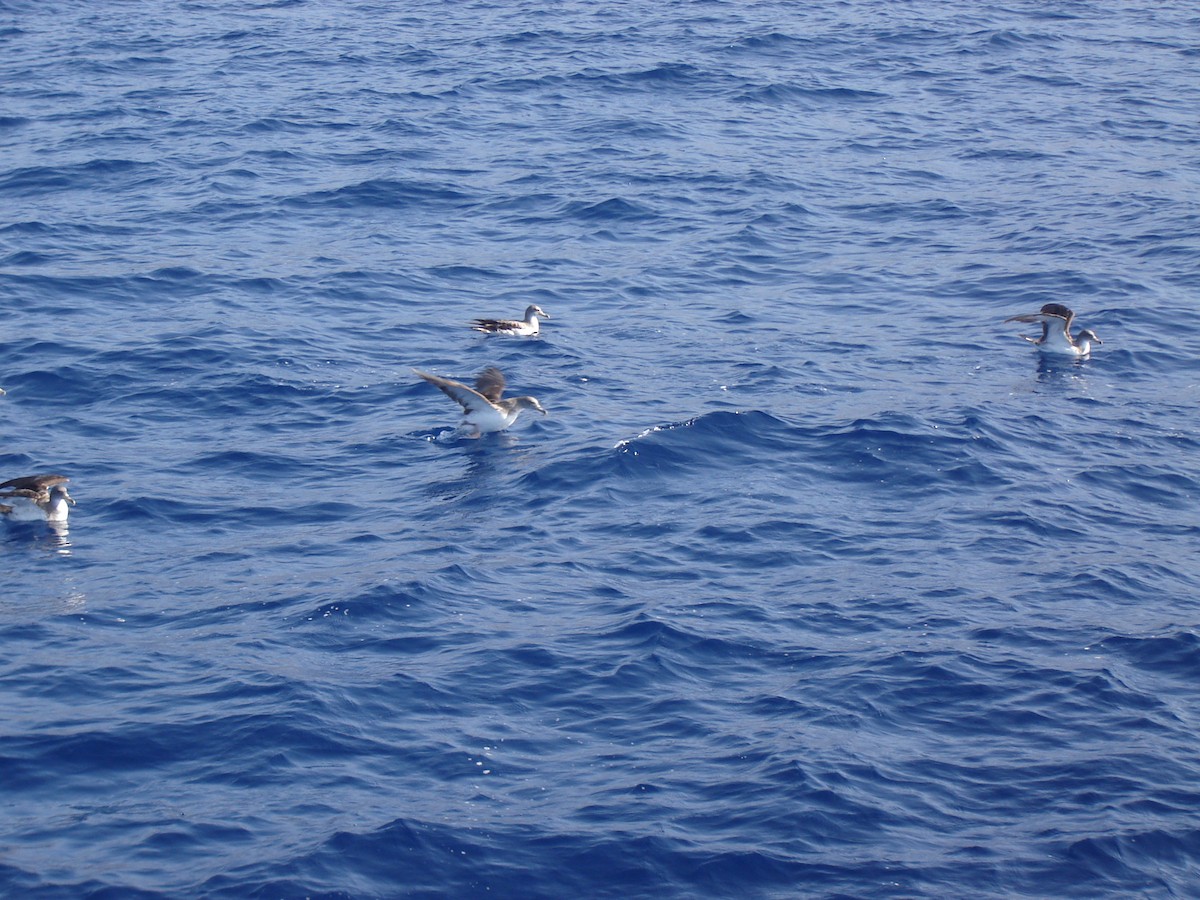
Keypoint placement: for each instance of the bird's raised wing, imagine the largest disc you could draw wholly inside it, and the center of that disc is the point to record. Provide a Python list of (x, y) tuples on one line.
[(1053, 316), (1048, 313), (490, 383), (35, 483), (1059, 311)]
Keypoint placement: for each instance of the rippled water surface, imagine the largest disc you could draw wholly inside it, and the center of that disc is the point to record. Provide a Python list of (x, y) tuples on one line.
[(815, 580)]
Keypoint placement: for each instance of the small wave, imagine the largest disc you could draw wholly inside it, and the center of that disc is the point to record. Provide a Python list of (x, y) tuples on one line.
[(771, 41), (907, 453), (382, 192), (94, 174), (1176, 655), (712, 441), (615, 209), (811, 96)]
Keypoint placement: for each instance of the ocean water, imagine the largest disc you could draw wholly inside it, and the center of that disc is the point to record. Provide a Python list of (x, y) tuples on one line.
[(815, 581)]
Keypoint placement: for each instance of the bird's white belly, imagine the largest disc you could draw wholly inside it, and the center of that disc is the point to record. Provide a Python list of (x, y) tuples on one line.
[(1058, 343), (490, 419), (521, 328)]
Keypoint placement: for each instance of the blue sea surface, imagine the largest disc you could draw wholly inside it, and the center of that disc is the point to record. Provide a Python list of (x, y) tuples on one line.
[(815, 581)]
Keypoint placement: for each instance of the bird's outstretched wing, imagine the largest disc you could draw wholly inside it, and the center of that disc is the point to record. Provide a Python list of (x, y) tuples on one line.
[(26, 494), (469, 399)]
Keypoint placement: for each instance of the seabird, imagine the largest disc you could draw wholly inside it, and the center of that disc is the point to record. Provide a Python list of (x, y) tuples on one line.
[(512, 326), (1056, 337), (483, 410), (37, 494)]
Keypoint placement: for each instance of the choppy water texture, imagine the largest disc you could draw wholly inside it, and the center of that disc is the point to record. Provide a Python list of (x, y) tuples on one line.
[(815, 581)]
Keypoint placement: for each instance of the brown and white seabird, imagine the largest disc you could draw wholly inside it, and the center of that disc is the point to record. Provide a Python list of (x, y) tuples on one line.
[(36, 495), (1056, 336), (483, 410), (511, 326)]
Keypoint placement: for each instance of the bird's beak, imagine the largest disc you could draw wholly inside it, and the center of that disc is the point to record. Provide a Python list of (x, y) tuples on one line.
[(69, 499)]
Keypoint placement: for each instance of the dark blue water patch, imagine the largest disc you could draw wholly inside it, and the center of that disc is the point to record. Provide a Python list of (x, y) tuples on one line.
[(115, 174), (62, 296), (26, 258), (33, 228), (714, 441), (615, 209), (385, 193), (898, 450), (1014, 39), (931, 210), (20, 882), (619, 131), (810, 97), (774, 543), (772, 42), (1106, 583), (1007, 154), (145, 508), (278, 125), (60, 388), (1146, 484), (1131, 862), (401, 852), (1176, 655), (433, 860), (904, 451)]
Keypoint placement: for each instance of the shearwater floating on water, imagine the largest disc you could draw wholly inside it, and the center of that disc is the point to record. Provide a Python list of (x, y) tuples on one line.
[(1056, 336), (483, 410), (36, 496), (511, 326)]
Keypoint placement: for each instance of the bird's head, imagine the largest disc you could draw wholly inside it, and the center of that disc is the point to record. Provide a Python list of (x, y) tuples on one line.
[(529, 403)]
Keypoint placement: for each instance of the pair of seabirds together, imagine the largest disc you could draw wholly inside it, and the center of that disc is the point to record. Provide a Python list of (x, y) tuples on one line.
[(486, 410), (484, 407)]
